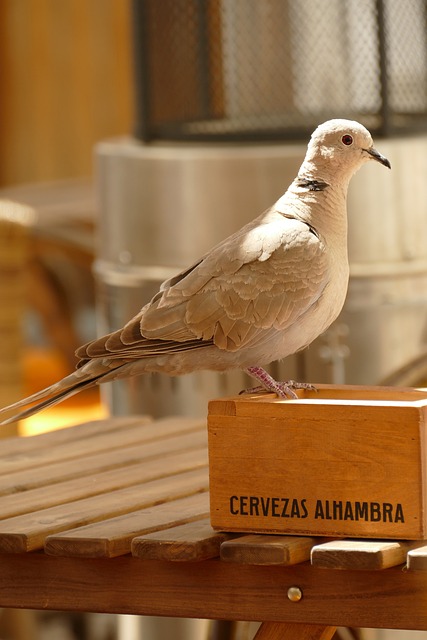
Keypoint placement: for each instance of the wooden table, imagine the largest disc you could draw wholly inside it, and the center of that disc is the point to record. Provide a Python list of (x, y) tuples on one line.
[(113, 516)]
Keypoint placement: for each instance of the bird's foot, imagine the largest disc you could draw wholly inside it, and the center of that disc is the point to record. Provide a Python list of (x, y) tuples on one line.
[(268, 383)]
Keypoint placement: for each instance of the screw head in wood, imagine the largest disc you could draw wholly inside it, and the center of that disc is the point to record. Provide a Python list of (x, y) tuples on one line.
[(294, 594)]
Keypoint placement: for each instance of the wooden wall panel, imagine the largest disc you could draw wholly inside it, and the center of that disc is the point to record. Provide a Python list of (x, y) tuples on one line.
[(65, 83)]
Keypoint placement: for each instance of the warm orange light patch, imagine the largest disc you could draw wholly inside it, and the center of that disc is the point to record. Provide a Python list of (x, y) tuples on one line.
[(43, 367)]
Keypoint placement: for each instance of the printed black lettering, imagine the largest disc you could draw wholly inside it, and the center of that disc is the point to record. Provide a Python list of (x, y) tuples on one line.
[(265, 506), (295, 509), (361, 511), (399, 513), (337, 509), (304, 508), (318, 512), (387, 512), (254, 506), (285, 513), (233, 510), (257, 506), (375, 512), (244, 505), (348, 512)]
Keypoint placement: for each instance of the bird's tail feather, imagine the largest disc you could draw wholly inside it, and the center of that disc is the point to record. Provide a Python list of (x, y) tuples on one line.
[(47, 397), (42, 404)]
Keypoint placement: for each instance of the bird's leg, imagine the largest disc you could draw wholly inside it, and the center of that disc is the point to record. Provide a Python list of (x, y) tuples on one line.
[(268, 383)]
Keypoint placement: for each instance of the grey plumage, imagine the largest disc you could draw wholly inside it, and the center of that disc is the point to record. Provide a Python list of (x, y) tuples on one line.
[(262, 294)]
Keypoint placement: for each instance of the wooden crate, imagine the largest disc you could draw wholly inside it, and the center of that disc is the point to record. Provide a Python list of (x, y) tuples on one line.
[(342, 461)]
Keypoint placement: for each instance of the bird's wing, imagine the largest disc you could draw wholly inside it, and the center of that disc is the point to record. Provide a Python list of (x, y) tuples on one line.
[(262, 278)]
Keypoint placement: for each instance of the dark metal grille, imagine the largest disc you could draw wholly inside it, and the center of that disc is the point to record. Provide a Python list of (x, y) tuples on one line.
[(274, 69)]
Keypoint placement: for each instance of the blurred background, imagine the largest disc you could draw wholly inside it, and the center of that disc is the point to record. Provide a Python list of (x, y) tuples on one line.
[(66, 83), (136, 135)]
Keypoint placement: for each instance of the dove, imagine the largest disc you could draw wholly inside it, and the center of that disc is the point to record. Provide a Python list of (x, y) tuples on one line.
[(264, 293)]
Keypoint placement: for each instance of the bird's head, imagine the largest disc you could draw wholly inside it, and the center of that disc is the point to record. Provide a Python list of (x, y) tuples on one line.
[(341, 146)]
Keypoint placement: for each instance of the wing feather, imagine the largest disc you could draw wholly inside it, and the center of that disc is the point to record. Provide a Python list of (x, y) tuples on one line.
[(261, 279)]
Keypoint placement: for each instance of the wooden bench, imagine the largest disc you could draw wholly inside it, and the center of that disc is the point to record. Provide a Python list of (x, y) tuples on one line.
[(113, 516)]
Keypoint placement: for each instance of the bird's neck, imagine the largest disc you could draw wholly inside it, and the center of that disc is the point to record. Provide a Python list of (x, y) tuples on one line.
[(318, 200)]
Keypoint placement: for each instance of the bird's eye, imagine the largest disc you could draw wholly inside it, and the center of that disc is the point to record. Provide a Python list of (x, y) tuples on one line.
[(347, 139)]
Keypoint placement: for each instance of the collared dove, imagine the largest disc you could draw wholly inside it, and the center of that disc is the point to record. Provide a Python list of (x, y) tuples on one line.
[(260, 295)]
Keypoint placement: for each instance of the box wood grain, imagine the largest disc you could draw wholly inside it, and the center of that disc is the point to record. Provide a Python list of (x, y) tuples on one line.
[(342, 461)]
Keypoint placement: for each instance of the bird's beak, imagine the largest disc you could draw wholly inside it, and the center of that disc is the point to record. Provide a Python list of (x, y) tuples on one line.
[(376, 155)]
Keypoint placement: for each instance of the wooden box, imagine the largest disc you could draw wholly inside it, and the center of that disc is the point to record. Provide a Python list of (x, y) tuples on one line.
[(342, 461)]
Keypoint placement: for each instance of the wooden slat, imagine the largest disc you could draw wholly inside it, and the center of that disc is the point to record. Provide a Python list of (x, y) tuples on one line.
[(112, 538), (360, 554), (132, 434), (20, 445), (87, 465), (28, 532), (70, 450), (289, 631), (98, 483), (188, 542), (417, 559), (267, 550)]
